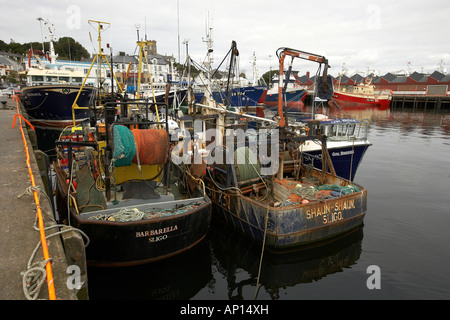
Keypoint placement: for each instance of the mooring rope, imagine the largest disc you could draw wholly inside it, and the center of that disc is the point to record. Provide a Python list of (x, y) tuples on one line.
[(35, 275), (262, 250), (351, 161)]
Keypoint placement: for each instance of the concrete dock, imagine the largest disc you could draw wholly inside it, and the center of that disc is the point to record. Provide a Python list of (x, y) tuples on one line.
[(18, 238)]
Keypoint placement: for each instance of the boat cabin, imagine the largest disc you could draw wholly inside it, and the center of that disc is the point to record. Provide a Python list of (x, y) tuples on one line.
[(50, 77), (337, 129)]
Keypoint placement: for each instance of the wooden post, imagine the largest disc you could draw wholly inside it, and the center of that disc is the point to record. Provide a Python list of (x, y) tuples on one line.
[(76, 256)]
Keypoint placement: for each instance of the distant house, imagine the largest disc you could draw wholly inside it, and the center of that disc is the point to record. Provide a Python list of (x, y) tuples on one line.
[(416, 76), (357, 78), (126, 68), (5, 66), (418, 82), (8, 63), (343, 81)]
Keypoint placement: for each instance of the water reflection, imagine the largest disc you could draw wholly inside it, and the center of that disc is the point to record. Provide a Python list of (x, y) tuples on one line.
[(228, 253), (176, 278), (233, 252), (226, 264), (425, 124)]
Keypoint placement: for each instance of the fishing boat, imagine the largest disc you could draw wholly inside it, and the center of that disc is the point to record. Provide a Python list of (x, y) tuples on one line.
[(274, 197), (49, 95), (168, 93), (116, 184), (362, 95), (240, 96), (296, 208), (50, 92), (293, 94), (347, 142)]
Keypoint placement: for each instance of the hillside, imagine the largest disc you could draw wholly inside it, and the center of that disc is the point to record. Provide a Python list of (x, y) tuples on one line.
[(66, 48)]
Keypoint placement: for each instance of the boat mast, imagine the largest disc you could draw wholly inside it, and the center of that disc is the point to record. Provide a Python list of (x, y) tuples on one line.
[(255, 70), (234, 54), (52, 54), (143, 54), (209, 59), (100, 55)]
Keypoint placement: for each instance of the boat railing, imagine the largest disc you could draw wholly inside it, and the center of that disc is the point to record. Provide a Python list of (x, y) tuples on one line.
[(136, 109), (340, 129)]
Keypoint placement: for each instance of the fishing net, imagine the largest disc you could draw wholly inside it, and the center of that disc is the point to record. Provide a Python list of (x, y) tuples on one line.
[(124, 146)]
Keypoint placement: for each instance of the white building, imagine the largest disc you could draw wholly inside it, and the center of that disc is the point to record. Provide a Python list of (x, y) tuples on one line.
[(125, 68)]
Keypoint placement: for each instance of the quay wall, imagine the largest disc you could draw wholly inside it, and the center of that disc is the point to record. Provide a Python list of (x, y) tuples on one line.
[(18, 238), (435, 103)]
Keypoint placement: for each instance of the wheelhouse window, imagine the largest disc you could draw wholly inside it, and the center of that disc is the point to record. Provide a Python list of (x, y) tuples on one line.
[(339, 130), (351, 129), (37, 78), (51, 78)]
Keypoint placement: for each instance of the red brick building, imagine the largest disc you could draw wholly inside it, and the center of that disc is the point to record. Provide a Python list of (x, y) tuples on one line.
[(433, 84)]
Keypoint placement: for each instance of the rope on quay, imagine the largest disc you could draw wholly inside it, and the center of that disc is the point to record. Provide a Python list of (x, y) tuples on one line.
[(34, 277), (47, 260)]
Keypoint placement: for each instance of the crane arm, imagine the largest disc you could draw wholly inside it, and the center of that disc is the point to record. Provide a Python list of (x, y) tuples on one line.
[(36, 53), (282, 53)]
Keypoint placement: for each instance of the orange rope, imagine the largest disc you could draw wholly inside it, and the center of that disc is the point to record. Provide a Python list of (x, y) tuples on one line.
[(48, 267)]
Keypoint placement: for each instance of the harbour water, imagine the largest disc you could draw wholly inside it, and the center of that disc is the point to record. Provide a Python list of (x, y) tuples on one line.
[(401, 252)]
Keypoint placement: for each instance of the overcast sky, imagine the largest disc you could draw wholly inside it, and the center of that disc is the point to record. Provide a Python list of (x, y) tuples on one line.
[(383, 36)]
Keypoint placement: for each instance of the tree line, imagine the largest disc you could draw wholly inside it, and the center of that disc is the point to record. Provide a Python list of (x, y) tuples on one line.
[(66, 48)]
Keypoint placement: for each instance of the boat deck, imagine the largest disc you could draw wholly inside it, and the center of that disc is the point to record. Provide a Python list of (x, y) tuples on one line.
[(289, 192)]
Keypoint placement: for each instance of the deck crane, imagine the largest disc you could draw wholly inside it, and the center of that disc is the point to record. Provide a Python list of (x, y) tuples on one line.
[(36, 54), (282, 53)]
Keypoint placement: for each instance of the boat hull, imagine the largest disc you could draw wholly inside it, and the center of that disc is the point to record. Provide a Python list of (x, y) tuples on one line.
[(160, 97), (353, 100), (50, 106), (293, 226), (144, 241), (293, 100), (345, 158), (240, 97)]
